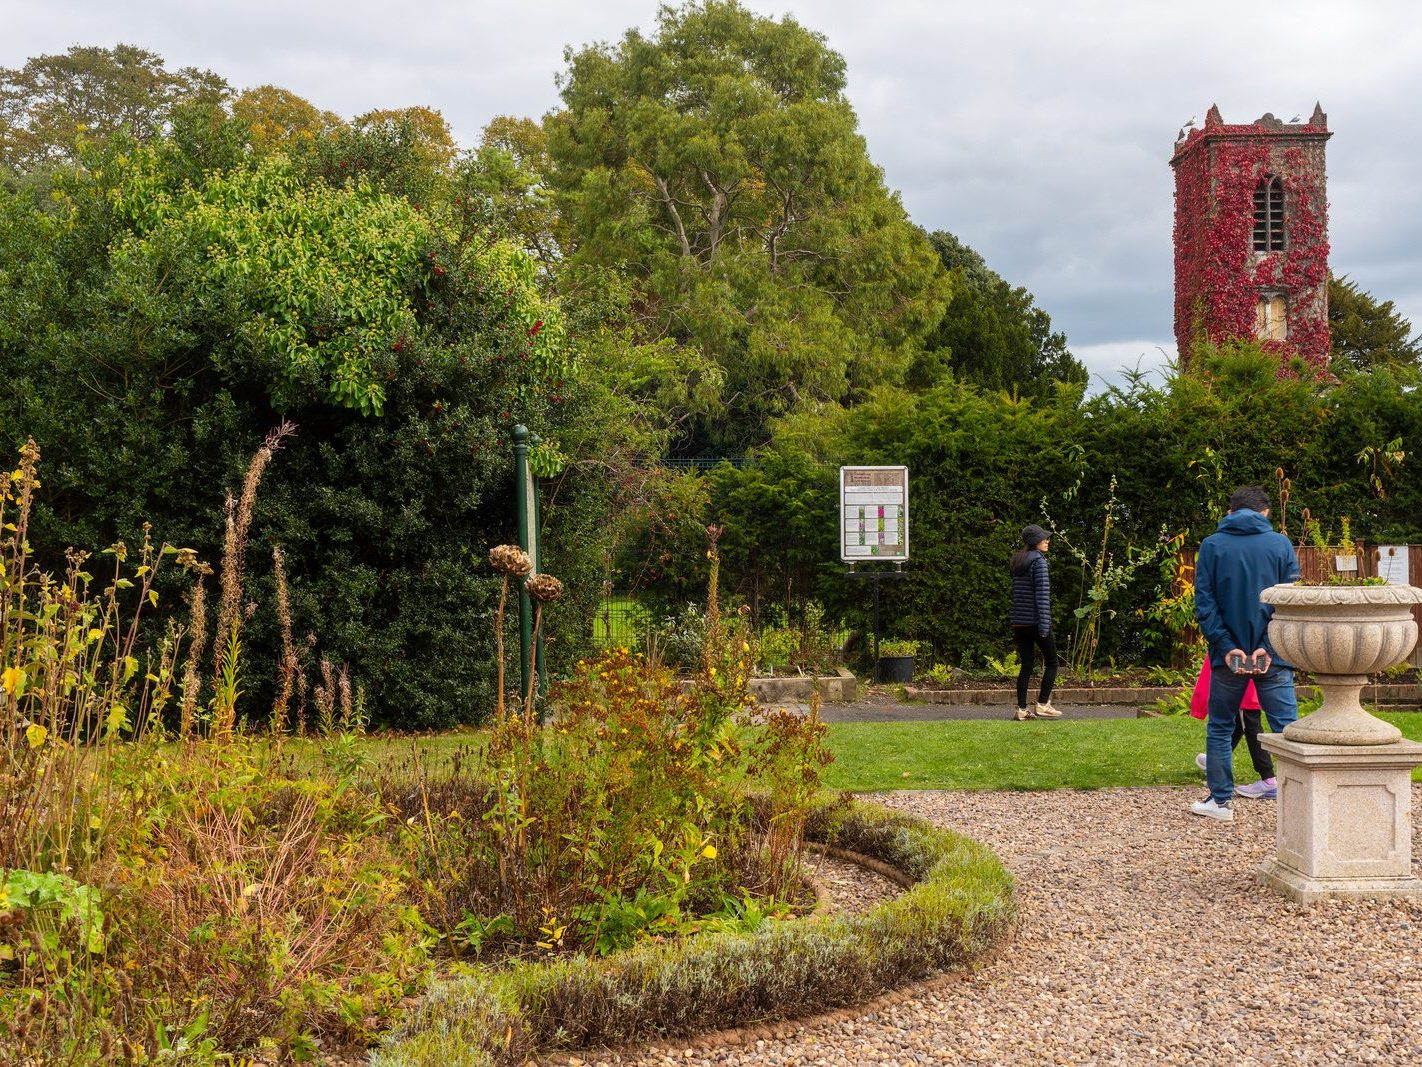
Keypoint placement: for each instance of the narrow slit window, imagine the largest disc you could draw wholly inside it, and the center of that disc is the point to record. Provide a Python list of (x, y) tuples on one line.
[(1269, 215)]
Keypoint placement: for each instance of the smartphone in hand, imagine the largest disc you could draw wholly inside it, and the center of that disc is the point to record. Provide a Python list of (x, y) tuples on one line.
[(1258, 662)]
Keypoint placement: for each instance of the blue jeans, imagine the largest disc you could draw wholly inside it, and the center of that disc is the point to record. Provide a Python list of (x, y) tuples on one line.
[(1276, 698)]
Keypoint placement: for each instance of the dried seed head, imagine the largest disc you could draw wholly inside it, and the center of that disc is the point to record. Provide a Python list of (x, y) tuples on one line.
[(544, 588), (510, 560)]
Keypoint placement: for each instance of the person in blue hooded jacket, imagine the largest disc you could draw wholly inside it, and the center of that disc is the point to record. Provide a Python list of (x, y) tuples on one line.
[(1242, 558)]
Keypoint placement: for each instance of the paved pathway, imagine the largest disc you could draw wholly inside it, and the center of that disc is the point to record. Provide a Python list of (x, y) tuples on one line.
[(886, 710), (1144, 940)]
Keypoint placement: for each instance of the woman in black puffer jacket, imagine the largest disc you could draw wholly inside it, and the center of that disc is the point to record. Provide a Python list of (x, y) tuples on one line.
[(1032, 622)]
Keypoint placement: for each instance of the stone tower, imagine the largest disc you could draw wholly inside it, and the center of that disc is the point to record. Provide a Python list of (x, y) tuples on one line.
[(1251, 236)]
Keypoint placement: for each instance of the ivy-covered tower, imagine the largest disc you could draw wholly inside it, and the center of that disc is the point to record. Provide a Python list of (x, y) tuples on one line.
[(1251, 236)]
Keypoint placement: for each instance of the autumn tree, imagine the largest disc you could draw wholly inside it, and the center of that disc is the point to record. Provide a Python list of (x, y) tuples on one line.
[(53, 102), (278, 120), (718, 164)]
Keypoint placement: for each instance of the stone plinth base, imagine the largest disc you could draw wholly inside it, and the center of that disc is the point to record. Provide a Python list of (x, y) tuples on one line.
[(1345, 820)]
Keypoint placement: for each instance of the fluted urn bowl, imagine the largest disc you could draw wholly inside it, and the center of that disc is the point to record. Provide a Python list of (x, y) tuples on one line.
[(1341, 634)]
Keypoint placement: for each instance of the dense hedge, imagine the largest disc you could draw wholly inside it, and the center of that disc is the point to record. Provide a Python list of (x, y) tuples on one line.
[(160, 318), (981, 466)]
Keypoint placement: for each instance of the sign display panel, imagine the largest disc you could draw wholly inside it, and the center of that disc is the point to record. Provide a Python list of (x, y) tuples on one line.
[(873, 514)]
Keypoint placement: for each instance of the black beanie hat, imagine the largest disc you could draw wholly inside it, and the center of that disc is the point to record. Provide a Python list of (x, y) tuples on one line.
[(1034, 535)]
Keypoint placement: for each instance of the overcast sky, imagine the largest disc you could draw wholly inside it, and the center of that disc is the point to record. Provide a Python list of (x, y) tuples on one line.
[(1038, 131)]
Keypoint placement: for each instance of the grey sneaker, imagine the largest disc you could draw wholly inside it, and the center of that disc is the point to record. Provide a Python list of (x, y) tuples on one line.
[(1201, 762), (1210, 810), (1266, 789)]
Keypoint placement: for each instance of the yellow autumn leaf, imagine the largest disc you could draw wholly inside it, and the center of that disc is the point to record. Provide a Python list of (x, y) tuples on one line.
[(13, 680), (709, 852), (35, 734)]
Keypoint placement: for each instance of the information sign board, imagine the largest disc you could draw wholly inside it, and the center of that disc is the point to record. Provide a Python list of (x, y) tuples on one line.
[(873, 514), (1392, 564)]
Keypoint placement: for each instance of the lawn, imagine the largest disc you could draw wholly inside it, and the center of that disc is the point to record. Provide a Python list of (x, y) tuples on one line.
[(869, 757), (1081, 754)]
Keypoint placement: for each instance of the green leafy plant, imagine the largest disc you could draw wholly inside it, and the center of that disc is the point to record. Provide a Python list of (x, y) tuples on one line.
[(1105, 577), (941, 673), (1006, 667), (899, 647)]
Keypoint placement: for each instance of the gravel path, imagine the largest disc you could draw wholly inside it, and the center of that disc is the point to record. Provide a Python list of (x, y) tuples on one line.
[(1144, 940), (851, 888)]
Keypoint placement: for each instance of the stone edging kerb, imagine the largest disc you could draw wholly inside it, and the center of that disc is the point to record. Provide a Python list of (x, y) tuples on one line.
[(1140, 696)]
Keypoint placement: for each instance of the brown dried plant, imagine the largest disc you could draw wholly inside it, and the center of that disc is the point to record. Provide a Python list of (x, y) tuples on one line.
[(290, 663), (512, 562), (227, 636)]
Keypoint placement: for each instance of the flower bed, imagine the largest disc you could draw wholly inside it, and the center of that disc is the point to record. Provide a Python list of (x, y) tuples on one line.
[(962, 903)]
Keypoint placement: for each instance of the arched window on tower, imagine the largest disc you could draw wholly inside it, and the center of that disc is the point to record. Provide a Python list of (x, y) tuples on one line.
[(1269, 215)]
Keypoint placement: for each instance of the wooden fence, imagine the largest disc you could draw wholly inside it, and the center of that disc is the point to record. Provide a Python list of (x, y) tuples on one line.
[(1319, 564)]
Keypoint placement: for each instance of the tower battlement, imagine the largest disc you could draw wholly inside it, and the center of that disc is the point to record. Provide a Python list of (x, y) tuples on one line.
[(1251, 235)]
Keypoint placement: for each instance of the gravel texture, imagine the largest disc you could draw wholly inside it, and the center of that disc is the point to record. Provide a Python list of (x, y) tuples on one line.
[(1144, 939), (850, 887)]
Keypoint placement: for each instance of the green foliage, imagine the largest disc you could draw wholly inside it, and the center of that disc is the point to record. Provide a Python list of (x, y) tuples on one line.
[(1006, 667), (718, 163), (1368, 334), (159, 318), (991, 333), (55, 103), (805, 645), (898, 647)]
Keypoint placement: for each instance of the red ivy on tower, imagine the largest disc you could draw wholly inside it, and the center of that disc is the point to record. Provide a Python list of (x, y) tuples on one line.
[(1226, 288)]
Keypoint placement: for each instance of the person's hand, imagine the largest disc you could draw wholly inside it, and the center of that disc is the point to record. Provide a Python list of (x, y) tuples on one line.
[(1236, 660), (1260, 656)]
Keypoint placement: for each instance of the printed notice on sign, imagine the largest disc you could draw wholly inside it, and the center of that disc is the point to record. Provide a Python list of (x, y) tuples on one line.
[(873, 514), (1392, 564)]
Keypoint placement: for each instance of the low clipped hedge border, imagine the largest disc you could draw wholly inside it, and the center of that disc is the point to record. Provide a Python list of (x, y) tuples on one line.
[(962, 903)]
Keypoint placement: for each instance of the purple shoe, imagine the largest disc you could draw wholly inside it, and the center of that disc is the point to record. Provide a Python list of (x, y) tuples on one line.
[(1267, 789)]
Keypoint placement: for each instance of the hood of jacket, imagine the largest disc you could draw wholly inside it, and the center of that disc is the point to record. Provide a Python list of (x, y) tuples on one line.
[(1244, 523)]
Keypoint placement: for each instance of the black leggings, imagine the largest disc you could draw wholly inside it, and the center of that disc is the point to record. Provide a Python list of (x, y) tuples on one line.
[(1026, 637), (1247, 725)]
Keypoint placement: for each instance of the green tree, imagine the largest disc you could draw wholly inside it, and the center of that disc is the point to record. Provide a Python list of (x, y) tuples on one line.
[(53, 102), (992, 333), (157, 318), (1367, 333), (719, 164)]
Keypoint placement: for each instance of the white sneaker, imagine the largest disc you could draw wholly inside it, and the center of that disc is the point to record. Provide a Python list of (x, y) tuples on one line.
[(1210, 810), (1200, 762), (1045, 711), (1021, 715)]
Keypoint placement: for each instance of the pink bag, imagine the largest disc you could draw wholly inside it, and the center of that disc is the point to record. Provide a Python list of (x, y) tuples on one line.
[(1200, 698)]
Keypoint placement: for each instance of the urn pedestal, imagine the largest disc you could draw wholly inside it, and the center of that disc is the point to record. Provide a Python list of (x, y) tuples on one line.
[(1345, 776), (1344, 820)]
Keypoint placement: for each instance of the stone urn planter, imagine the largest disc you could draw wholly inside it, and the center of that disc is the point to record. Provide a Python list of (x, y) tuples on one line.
[(1345, 777), (1341, 634)]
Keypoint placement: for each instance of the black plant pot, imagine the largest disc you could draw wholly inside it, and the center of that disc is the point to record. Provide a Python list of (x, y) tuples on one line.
[(895, 668)]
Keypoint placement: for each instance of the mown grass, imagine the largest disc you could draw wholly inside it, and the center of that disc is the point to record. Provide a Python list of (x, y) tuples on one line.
[(871, 757), (1066, 754)]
